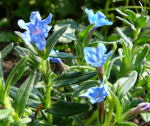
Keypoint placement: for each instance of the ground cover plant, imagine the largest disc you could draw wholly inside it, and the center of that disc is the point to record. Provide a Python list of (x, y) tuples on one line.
[(95, 83)]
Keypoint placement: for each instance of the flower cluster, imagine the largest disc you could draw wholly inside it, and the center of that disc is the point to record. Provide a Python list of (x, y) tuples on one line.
[(36, 30), (99, 19)]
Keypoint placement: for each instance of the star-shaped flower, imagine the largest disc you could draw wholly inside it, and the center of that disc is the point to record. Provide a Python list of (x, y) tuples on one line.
[(99, 19), (96, 94), (36, 30), (96, 56)]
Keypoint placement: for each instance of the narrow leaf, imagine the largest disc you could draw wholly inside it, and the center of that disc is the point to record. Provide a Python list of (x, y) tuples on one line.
[(23, 93), (63, 108), (73, 80), (7, 49), (52, 40), (126, 83), (141, 55), (1, 76), (124, 37), (11, 76)]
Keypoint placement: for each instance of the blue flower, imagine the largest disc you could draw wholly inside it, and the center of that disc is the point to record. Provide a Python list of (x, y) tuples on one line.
[(96, 56), (99, 19), (96, 94), (54, 60), (36, 30)]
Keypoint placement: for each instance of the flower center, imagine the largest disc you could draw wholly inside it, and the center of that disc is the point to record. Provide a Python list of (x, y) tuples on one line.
[(37, 31)]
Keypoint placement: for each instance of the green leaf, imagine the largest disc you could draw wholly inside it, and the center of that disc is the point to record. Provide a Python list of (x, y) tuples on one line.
[(142, 40), (75, 78), (109, 67), (117, 106), (141, 55), (125, 124), (63, 108), (146, 116), (32, 96), (22, 52), (19, 66), (127, 22), (7, 37), (52, 40), (63, 55), (126, 83), (124, 37), (85, 33), (69, 34), (7, 49), (131, 15), (141, 22), (122, 13), (1, 77), (23, 93), (4, 113)]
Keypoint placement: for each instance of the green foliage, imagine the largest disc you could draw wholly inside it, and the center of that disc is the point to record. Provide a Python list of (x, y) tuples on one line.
[(52, 40), (50, 96), (74, 78), (23, 93), (4, 113), (63, 108)]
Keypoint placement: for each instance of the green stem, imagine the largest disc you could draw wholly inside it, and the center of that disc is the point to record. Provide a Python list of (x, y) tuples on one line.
[(45, 69), (92, 118), (127, 2), (48, 100), (107, 6), (136, 34), (109, 115)]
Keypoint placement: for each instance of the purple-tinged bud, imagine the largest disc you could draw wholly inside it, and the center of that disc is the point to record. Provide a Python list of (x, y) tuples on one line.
[(142, 107)]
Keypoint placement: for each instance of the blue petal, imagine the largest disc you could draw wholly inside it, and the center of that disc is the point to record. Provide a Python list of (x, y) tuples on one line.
[(31, 27), (101, 22), (101, 50), (47, 20), (39, 41), (91, 16), (22, 24), (107, 56), (55, 60), (35, 16), (52, 59), (90, 55), (100, 15), (26, 37), (96, 94)]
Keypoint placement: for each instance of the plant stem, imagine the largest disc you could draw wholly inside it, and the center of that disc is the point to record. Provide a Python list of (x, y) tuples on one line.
[(109, 115), (101, 112), (107, 6), (127, 2), (45, 69), (48, 100), (136, 34), (92, 118)]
